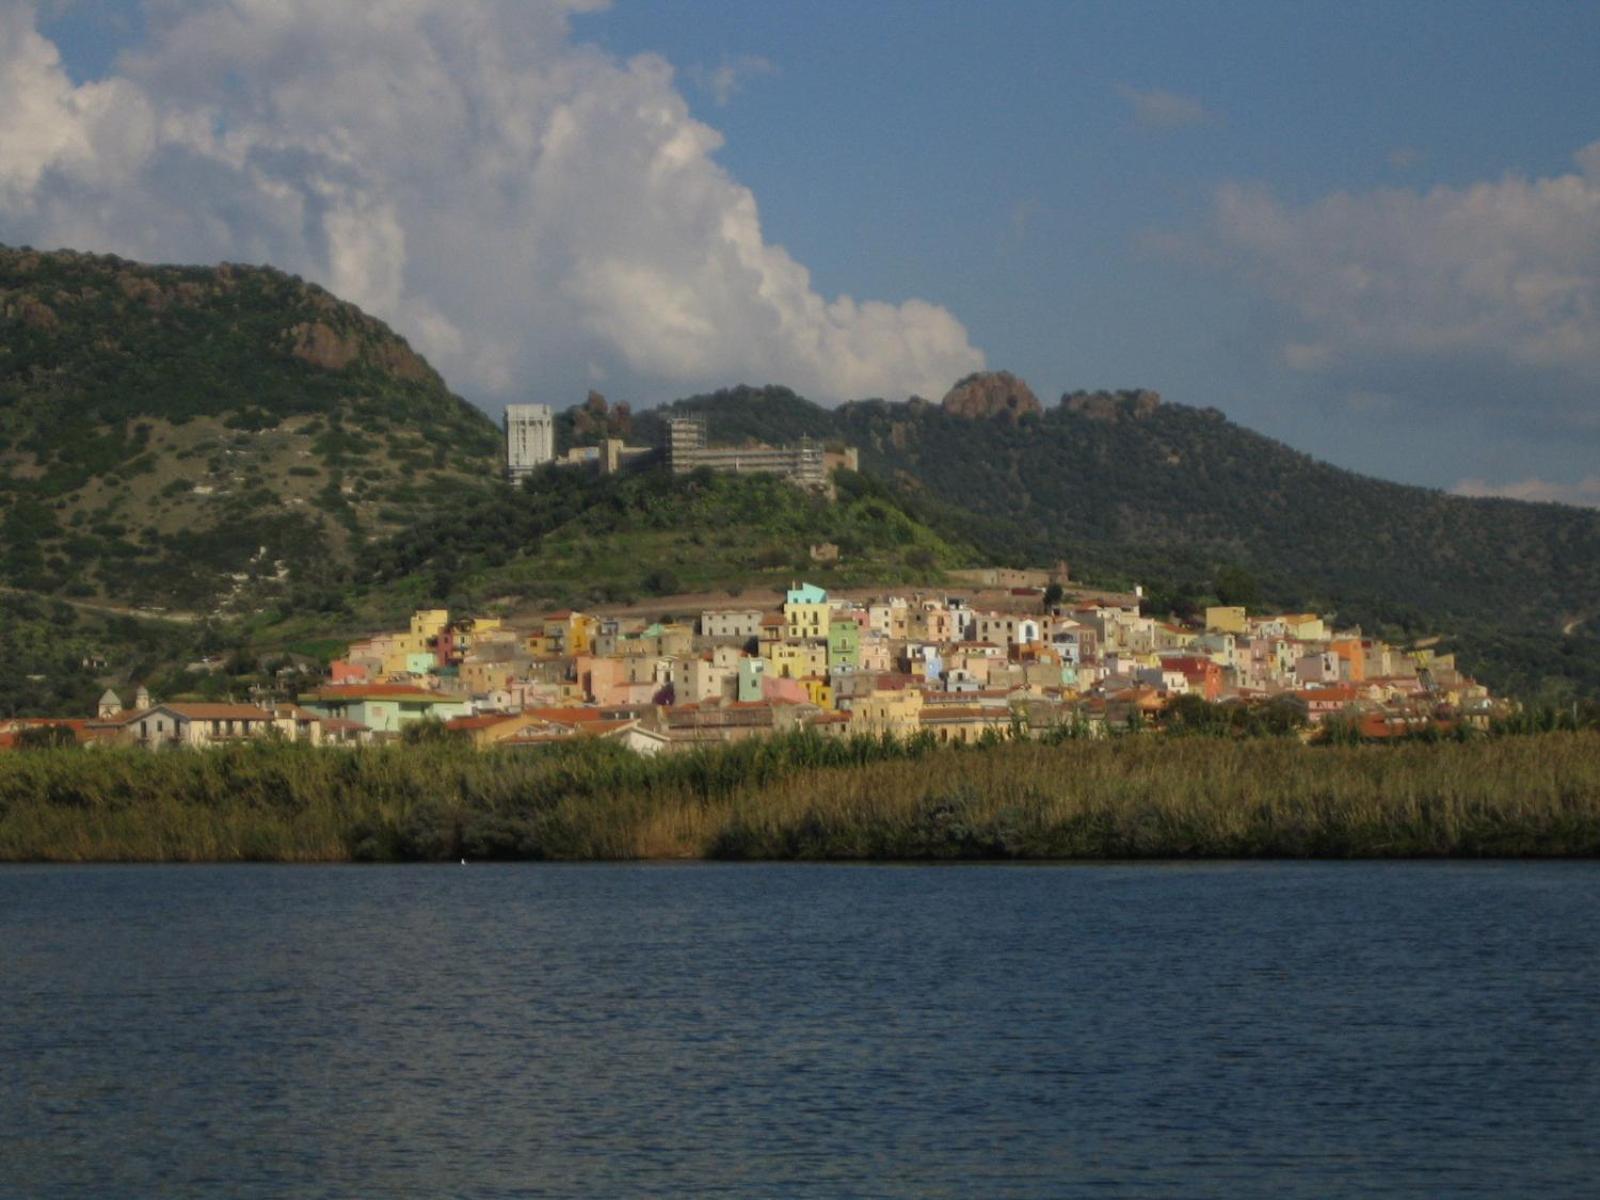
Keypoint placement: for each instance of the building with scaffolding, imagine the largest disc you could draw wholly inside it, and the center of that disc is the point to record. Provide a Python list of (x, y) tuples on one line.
[(530, 438), (801, 462)]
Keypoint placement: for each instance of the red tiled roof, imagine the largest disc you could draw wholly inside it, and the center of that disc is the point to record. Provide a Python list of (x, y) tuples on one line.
[(481, 721), (949, 712), (568, 716), (1340, 695), (378, 691)]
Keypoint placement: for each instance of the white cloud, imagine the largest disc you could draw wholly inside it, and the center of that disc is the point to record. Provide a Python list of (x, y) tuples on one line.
[(1158, 109), (727, 79), (1504, 272), (1585, 492), (525, 207)]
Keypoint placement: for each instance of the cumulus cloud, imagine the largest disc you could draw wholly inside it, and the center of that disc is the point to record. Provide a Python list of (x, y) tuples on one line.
[(526, 208), (727, 79), (1158, 109), (1505, 273), (1585, 492)]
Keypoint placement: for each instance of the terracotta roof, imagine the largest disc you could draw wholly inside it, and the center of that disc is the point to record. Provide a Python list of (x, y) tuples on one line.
[(341, 725), (1341, 695), (481, 721), (573, 715), (949, 712), (379, 691)]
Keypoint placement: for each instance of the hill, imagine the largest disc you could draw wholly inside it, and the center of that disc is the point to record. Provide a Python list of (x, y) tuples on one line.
[(234, 440), (1128, 488), (194, 436), (565, 537)]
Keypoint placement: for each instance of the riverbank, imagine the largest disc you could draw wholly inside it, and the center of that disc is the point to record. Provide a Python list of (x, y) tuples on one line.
[(803, 798)]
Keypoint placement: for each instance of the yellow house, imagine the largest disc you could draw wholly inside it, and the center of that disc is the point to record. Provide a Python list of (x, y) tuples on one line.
[(1308, 627), (400, 649), (1225, 618), (952, 723), (818, 692), (429, 622), (484, 675), (806, 612), (796, 660), (893, 713), (565, 632)]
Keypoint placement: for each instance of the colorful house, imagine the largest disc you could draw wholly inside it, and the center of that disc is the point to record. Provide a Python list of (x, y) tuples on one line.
[(805, 612), (844, 644), (385, 708)]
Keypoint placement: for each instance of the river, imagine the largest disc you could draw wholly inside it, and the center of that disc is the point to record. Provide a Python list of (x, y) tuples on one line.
[(1273, 1029)]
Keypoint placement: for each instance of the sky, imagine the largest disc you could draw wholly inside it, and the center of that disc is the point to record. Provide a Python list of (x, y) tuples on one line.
[(1371, 231)]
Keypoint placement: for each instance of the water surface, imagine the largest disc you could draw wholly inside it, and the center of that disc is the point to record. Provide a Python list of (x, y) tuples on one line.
[(1274, 1030)]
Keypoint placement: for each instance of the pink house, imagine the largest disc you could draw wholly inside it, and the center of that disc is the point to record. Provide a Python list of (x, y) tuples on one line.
[(784, 691), (340, 671)]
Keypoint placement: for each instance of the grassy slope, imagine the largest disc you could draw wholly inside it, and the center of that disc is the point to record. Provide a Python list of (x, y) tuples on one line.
[(569, 538), (186, 436)]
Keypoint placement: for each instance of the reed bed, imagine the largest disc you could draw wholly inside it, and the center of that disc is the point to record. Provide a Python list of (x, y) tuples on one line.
[(805, 798)]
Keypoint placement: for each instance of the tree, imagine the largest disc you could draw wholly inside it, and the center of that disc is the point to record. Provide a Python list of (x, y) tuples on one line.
[(1052, 596), (45, 737), (1235, 585)]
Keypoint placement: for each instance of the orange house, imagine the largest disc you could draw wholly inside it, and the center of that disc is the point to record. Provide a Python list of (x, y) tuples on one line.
[(1354, 656)]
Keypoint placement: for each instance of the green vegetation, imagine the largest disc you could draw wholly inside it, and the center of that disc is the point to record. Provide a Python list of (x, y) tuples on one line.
[(186, 437), (806, 797), (54, 654), (566, 537)]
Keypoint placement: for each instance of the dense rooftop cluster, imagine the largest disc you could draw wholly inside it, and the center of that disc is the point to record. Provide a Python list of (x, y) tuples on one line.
[(1018, 658)]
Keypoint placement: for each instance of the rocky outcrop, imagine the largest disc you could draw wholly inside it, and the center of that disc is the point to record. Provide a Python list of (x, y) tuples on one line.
[(991, 394), (319, 344), (1112, 406)]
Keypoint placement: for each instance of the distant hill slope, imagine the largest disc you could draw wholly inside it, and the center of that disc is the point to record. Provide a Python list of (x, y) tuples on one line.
[(180, 436), (565, 537), (1126, 486)]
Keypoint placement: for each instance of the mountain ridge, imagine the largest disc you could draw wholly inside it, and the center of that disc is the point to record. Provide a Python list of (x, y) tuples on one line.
[(1130, 487), (193, 436)]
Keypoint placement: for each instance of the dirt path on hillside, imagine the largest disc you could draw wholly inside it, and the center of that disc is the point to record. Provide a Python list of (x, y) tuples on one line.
[(142, 614)]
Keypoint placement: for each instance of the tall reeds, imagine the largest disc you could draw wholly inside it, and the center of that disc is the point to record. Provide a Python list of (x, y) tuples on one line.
[(807, 797)]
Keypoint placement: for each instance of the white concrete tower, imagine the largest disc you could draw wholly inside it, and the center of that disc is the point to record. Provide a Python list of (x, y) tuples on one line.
[(530, 438)]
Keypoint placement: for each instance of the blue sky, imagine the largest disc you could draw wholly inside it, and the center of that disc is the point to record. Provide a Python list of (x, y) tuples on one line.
[(1359, 228)]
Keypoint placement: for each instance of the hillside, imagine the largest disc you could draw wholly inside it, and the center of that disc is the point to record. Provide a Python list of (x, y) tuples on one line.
[(568, 538), (189, 436), (234, 440), (1128, 487)]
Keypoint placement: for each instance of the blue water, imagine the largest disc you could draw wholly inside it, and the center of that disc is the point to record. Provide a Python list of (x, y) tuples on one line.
[(1263, 1030)]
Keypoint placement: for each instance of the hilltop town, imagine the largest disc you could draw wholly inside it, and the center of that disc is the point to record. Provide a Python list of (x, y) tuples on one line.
[(1016, 657)]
